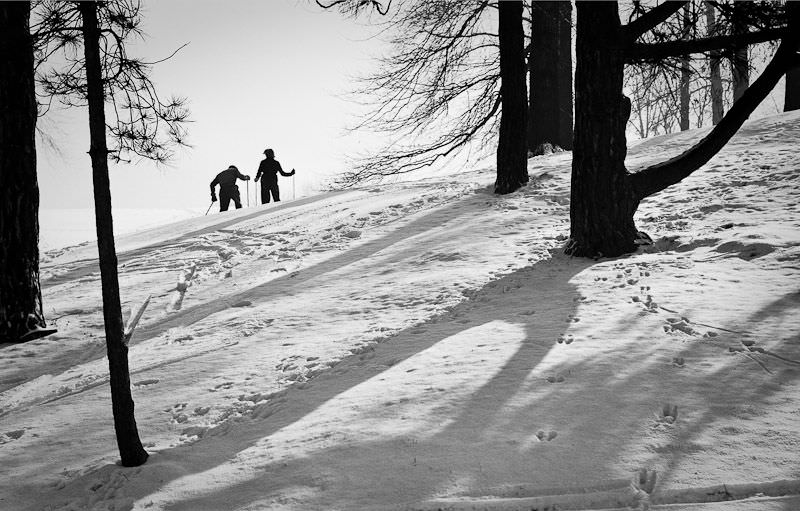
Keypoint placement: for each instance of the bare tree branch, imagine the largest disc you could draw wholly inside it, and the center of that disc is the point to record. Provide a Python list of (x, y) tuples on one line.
[(640, 52), (658, 177), (650, 19)]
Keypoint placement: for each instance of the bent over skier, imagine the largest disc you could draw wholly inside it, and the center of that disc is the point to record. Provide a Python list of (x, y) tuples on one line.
[(227, 188)]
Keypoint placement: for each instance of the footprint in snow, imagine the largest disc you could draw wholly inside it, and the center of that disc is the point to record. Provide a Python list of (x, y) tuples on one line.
[(679, 325), (668, 414), (145, 383), (10, 436), (178, 407), (546, 436), (565, 340)]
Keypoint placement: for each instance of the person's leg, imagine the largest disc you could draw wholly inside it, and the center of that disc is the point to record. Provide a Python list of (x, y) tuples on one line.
[(224, 200), (264, 192), (276, 194), (237, 199)]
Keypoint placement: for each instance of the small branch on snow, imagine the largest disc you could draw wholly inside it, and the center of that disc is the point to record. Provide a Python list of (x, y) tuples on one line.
[(129, 329)]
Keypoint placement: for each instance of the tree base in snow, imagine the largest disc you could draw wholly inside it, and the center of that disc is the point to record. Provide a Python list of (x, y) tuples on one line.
[(545, 149), (576, 249)]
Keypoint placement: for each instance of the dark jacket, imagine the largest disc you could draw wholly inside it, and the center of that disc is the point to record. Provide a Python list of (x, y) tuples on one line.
[(227, 179), (268, 171)]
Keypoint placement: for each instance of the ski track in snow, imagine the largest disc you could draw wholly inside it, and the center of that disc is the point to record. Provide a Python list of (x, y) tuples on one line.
[(326, 346)]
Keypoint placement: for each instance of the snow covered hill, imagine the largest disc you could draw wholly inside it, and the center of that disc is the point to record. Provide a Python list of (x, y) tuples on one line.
[(426, 345)]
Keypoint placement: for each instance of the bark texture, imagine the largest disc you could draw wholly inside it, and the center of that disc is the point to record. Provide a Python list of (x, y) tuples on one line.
[(602, 199), (20, 293), (550, 75), (512, 154), (130, 447)]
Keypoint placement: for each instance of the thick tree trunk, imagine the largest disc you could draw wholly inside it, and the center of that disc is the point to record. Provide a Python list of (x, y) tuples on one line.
[(602, 199), (792, 94), (550, 76), (604, 196), (20, 294), (512, 154), (130, 447), (717, 105)]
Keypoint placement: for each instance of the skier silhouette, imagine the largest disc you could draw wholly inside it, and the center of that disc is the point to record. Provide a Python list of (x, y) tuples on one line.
[(268, 172), (227, 188)]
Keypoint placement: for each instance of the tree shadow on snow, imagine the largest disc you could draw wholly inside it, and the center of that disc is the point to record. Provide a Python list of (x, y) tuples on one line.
[(391, 448), (599, 424), (529, 313)]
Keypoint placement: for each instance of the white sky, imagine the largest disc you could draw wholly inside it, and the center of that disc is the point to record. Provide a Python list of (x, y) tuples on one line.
[(257, 74)]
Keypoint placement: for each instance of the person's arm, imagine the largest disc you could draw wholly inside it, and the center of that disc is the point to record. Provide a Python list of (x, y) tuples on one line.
[(242, 176), (260, 170), (213, 192), (285, 174)]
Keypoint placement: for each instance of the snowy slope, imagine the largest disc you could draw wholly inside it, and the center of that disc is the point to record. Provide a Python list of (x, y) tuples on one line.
[(426, 345)]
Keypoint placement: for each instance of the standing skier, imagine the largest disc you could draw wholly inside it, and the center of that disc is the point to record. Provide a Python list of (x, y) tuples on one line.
[(227, 188), (268, 172)]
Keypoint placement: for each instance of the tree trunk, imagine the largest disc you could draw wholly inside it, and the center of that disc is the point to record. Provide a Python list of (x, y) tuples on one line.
[(550, 76), (130, 447), (792, 94), (512, 154), (604, 196), (686, 74), (717, 105), (602, 199), (740, 64), (20, 293)]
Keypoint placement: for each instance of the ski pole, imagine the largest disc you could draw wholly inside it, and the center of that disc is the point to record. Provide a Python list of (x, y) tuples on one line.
[(209, 207), (248, 192), (292, 187)]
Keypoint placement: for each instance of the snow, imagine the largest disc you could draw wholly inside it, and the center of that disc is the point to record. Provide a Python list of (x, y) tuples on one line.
[(427, 345), (60, 228)]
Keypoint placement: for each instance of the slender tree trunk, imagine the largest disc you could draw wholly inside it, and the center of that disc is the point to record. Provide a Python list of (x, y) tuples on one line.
[(686, 74), (130, 447), (512, 154), (550, 76), (740, 64), (792, 94), (20, 294), (717, 105), (602, 199)]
